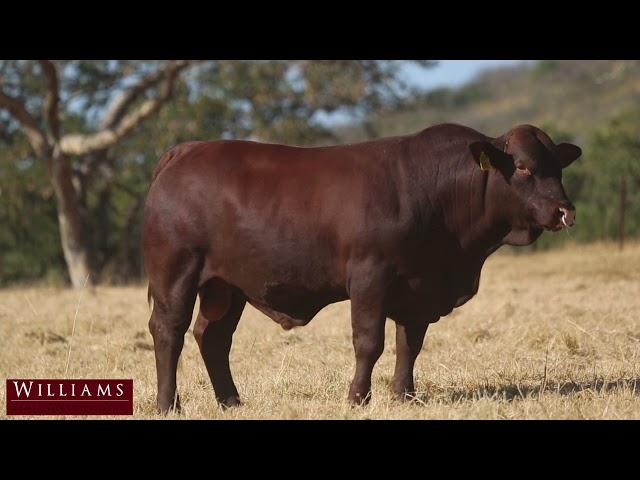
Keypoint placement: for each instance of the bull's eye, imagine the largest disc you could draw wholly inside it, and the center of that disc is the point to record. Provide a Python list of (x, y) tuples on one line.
[(523, 170)]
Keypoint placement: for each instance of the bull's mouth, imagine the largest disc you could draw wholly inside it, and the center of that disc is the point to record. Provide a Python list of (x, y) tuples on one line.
[(559, 221)]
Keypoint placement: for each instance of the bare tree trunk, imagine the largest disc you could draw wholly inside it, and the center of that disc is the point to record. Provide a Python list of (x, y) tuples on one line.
[(74, 242), (623, 204), (130, 240)]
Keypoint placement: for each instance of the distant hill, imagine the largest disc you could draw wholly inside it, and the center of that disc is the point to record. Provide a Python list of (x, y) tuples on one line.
[(571, 97)]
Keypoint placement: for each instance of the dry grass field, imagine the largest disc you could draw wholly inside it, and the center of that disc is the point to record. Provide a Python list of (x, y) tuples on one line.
[(549, 335)]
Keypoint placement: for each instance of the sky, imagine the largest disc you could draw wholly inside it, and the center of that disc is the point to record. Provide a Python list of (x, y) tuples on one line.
[(450, 73)]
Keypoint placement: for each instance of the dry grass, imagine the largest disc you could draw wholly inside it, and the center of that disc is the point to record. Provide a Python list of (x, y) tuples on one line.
[(550, 335)]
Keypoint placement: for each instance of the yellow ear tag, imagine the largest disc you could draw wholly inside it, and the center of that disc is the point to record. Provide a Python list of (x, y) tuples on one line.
[(485, 164)]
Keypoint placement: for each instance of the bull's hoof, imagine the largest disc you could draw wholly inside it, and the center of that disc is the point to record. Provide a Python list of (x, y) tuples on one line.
[(403, 393), (359, 399), (230, 401), (165, 407)]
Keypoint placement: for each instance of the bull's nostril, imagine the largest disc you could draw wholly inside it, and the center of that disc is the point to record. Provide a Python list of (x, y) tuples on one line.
[(568, 217)]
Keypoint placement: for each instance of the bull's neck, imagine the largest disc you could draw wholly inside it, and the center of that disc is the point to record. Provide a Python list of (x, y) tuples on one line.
[(470, 213), (461, 198)]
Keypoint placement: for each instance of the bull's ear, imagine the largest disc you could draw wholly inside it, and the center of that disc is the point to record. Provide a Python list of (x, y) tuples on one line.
[(567, 153), (487, 156)]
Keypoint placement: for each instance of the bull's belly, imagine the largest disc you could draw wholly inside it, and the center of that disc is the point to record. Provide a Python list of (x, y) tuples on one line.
[(291, 295), (293, 305), (292, 286), (432, 296)]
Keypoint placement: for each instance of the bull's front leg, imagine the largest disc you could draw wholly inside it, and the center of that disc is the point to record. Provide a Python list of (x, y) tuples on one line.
[(409, 340), (367, 292)]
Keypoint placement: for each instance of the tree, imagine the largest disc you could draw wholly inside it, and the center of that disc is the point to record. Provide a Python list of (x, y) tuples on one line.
[(282, 100), (65, 84), (79, 118), (614, 164), (26, 206)]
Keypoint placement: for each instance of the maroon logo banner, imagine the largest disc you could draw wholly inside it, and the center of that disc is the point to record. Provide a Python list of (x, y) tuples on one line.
[(69, 397)]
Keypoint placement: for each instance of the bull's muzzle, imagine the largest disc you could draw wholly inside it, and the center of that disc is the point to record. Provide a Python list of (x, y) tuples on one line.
[(568, 216)]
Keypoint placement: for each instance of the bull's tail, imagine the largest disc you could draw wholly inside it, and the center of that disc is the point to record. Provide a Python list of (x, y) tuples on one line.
[(165, 159), (149, 298)]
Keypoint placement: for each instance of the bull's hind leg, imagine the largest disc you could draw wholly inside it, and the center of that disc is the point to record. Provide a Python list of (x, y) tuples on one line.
[(220, 311), (173, 285)]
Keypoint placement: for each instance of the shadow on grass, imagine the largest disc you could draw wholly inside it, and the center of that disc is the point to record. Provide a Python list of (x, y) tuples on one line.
[(512, 392)]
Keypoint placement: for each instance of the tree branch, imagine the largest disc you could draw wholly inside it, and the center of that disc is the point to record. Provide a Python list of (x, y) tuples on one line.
[(29, 125), (119, 106), (52, 98), (77, 144)]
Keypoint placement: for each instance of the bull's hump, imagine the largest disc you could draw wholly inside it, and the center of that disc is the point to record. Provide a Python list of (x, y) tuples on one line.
[(452, 130)]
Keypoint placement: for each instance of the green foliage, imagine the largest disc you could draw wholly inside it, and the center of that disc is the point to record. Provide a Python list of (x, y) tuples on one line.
[(615, 155), (474, 92), (29, 239), (544, 67), (446, 98)]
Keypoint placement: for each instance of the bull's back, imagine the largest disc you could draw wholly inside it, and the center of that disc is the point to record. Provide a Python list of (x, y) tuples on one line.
[(270, 185)]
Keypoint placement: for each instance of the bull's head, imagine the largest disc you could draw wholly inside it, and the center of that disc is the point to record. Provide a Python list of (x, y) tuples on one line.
[(530, 190)]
